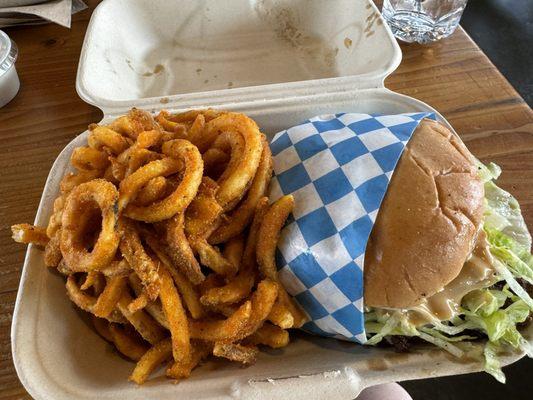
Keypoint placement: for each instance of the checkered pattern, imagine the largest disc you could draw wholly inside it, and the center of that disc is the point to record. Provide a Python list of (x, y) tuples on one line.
[(338, 168)]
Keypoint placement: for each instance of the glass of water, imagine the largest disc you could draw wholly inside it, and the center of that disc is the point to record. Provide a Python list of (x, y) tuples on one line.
[(423, 21)]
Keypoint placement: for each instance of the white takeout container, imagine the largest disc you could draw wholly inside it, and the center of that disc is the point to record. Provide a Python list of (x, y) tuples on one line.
[(280, 62)]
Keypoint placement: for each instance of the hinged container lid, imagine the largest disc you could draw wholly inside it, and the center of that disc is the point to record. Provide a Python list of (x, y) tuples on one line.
[(237, 49), (281, 60)]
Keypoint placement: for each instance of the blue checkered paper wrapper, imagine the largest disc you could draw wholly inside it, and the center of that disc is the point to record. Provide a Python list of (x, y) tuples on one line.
[(338, 168)]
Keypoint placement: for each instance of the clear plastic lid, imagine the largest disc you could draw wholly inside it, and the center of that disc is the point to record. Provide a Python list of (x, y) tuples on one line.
[(8, 53)]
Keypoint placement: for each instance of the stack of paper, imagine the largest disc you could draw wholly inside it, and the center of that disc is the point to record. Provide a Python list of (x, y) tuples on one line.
[(31, 12)]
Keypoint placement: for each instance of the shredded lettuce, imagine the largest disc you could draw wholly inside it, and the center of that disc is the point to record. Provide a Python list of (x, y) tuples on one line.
[(429, 336), (518, 261), (385, 329), (488, 172), (506, 275), (484, 302), (503, 214), (501, 324), (494, 311), (452, 330), (492, 362)]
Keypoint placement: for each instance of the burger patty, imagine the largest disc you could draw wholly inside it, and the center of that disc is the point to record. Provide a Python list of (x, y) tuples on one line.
[(522, 282)]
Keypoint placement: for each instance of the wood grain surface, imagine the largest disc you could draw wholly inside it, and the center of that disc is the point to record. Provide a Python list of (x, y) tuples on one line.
[(453, 76)]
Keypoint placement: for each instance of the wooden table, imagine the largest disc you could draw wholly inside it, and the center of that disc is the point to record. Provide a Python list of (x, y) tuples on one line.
[(453, 76)]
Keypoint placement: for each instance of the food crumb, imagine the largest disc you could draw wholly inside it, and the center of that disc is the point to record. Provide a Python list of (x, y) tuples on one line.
[(164, 100), (157, 69), (347, 42), (331, 374), (128, 62), (198, 70)]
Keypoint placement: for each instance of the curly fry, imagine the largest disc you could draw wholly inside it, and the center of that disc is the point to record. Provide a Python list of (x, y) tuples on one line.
[(200, 350), (142, 322), (214, 330), (102, 328), (52, 251), (71, 180), (179, 250), (233, 251), (182, 152), (158, 354), (26, 233), (153, 308), (242, 135), (184, 285), (130, 186), (154, 190), (109, 298), (54, 223), (236, 352), (215, 162), (176, 317), (240, 286), (135, 122), (105, 195), (87, 158), (285, 313), (133, 251), (241, 216), (102, 136), (128, 345), (87, 302), (270, 335)]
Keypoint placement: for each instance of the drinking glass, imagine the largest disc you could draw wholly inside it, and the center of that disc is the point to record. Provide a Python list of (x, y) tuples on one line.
[(423, 21)]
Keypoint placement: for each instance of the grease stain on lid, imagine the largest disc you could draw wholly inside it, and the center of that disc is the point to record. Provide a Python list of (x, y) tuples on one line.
[(347, 42), (157, 69)]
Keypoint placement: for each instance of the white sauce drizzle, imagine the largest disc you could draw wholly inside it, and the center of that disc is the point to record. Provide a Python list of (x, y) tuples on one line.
[(477, 273)]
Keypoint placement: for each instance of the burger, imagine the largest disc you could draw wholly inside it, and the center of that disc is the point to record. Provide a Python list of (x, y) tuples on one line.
[(449, 257)]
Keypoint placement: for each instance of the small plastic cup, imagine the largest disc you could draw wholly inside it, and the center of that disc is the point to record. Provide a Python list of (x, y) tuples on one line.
[(9, 79)]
